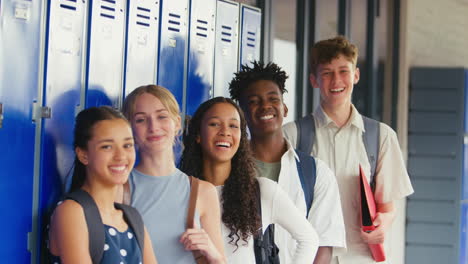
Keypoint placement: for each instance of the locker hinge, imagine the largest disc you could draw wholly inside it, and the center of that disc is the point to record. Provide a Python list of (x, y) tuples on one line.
[(1, 115), (465, 139), (40, 112), (30, 244)]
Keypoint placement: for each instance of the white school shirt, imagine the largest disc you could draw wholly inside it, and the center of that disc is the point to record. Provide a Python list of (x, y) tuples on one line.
[(343, 150), (277, 209), (325, 214)]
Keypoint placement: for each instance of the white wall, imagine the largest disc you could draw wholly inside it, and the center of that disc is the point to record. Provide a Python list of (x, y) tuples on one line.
[(437, 33), (285, 57)]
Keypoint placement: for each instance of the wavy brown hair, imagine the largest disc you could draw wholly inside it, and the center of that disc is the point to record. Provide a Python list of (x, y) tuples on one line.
[(324, 51), (239, 202)]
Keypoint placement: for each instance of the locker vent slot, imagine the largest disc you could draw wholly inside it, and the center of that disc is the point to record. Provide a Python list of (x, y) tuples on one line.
[(69, 7), (143, 24), (108, 9), (143, 16), (251, 38), (174, 22), (69, 4), (202, 28), (226, 33)]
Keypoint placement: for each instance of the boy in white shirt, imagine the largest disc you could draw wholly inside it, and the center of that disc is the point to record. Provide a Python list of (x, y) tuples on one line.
[(259, 90), (339, 142)]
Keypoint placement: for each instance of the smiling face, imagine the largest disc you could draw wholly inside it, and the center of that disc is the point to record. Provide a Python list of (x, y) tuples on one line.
[(336, 81), (110, 153), (153, 125), (220, 132), (264, 108)]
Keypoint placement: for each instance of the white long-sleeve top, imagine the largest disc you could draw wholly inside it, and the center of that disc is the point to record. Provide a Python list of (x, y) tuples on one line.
[(277, 208)]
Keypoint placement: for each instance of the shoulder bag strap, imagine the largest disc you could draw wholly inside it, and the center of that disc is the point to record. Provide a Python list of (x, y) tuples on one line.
[(192, 202), (126, 195), (194, 182)]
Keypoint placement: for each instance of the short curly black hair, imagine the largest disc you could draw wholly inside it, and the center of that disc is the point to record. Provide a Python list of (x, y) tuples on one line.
[(259, 71)]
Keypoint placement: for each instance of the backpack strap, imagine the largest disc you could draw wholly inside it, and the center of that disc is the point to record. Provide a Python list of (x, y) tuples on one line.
[(371, 142), (305, 133), (307, 170), (134, 220), (306, 136), (93, 221)]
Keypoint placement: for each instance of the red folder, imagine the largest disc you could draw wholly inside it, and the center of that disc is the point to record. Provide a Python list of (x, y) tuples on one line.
[(368, 214)]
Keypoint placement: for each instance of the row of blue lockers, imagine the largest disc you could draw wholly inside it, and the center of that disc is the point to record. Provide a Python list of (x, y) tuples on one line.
[(60, 56)]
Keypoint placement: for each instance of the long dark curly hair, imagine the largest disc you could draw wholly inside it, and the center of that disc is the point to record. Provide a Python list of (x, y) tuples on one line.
[(238, 199)]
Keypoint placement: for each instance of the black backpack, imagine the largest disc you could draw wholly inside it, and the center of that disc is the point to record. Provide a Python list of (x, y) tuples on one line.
[(96, 227), (266, 251)]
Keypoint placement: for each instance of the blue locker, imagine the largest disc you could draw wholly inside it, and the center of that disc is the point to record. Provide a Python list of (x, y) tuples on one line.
[(63, 87), (105, 53), (173, 48), (226, 46), (142, 43), (251, 22), (20, 31), (201, 53)]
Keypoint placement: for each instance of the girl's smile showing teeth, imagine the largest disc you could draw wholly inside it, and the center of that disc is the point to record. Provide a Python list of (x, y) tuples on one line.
[(119, 168), (223, 144)]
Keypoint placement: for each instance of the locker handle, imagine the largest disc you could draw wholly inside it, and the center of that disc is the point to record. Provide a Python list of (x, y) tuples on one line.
[(1, 115), (41, 112)]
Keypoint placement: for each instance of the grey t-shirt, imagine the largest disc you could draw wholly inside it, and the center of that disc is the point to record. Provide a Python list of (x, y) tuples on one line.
[(268, 170), (163, 203)]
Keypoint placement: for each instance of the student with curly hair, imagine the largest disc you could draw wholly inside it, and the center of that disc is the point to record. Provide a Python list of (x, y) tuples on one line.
[(217, 150), (259, 90), (160, 191)]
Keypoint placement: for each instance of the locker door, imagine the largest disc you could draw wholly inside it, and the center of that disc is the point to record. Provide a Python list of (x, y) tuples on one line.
[(173, 48), (251, 21), (20, 31), (435, 164), (463, 248), (105, 53), (62, 94), (142, 43), (201, 53), (226, 46)]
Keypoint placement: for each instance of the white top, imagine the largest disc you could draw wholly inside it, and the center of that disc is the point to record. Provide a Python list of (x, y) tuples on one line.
[(277, 208), (325, 213), (343, 150)]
